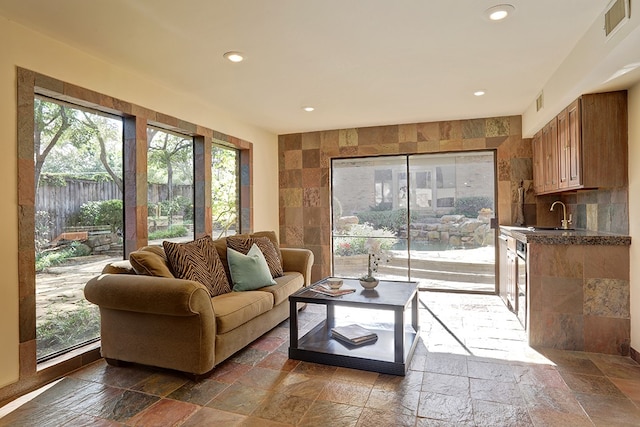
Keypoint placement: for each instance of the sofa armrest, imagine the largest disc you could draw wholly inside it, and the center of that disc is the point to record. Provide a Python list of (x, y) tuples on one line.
[(298, 259), (146, 294)]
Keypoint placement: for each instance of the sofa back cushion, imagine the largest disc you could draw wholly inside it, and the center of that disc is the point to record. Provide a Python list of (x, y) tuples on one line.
[(243, 244), (118, 267), (199, 261), (150, 261)]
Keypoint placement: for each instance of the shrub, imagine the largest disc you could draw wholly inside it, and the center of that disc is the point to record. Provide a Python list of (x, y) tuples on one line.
[(354, 241), (102, 212), (389, 220), (174, 231), (57, 257), (42, 230), (469, 206)]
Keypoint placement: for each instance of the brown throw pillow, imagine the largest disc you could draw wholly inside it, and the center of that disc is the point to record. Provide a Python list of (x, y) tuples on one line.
[(198, 261), (242, 244), (150, 261)]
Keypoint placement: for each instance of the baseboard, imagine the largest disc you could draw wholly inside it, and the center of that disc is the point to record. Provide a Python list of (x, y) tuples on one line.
[(634, 354)]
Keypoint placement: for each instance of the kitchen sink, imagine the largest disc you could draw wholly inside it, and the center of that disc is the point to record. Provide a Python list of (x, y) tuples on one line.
[(550, 229)]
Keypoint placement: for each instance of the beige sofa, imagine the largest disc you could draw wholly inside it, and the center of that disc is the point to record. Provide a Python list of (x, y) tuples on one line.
[(176, 324)]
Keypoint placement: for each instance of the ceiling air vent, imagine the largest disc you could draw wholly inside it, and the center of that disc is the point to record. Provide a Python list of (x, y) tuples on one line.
[(615, 16), (539, 102)]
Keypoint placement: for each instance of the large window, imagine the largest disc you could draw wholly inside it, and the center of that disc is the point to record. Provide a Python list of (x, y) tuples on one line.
[(170, 186), (94, 198), (429, 215), (225, 191), (78, 219)]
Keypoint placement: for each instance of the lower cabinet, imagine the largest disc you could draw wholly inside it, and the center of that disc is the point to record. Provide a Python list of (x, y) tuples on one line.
[(508, 279)]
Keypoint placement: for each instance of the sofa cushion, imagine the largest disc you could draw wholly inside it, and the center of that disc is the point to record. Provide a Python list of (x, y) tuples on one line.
[(250, 271), (285, 286), (237, 308), (271, 235), (118, 267), (150, 261), (199, 261), (243, 243)]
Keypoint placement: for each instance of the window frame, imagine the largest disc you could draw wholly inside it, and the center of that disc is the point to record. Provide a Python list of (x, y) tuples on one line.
[(135, 121)]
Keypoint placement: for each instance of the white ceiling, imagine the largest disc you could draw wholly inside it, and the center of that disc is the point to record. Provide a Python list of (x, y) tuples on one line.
[(359, 62)]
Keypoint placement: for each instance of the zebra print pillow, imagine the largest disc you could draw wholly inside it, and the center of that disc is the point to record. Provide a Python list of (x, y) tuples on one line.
[(198, 261), (243, 244)]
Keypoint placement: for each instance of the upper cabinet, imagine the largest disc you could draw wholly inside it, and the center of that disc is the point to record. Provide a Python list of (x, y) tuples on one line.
[(585, 146)]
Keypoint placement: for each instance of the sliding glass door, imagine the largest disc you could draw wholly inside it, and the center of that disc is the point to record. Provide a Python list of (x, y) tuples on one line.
[(428, 214)]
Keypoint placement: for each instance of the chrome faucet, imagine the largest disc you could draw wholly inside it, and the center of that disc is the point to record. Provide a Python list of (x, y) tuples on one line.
[(565, 222)]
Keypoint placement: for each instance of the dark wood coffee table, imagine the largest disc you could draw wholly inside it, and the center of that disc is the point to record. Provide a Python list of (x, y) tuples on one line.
[(393, 350)]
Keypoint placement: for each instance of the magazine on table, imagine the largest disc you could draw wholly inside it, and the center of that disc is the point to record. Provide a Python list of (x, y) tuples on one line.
[(324, 289), (353, 334)]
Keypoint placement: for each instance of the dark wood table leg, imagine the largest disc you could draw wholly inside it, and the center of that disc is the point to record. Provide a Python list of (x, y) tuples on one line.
[(293, 324), (414, 312), (398, 335)]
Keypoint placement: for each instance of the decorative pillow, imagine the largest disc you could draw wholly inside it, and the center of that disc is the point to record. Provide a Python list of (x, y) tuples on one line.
[(242, 244), (198, 261), (249, 271), (118, 267), (150, 261), (271, 235)]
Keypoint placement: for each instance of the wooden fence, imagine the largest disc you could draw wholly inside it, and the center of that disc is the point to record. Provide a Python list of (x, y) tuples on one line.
[(64, 202)]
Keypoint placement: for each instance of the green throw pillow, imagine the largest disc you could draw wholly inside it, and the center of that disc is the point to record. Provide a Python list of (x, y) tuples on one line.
[(250, 271)]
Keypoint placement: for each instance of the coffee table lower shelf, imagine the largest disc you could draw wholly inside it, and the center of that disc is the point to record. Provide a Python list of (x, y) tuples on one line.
[(319, 347)]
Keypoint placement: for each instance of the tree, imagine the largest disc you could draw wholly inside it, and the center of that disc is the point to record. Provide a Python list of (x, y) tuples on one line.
[(165, 152), (91, 124), (51, 121), (224, 189), (72, 142)]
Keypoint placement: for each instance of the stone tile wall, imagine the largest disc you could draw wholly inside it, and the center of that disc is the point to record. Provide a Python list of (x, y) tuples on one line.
[(579, 298), (305, 161)]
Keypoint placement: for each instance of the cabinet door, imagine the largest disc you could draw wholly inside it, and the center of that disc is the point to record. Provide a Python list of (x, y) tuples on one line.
[(563, 149), (550, 144), (512, 279), (574, 144), (503, 267), (538, 163)]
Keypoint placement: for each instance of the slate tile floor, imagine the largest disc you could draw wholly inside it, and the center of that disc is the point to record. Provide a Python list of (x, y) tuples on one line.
[(471, 368)]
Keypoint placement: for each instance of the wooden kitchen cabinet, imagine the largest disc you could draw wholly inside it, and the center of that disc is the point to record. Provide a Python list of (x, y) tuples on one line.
[(538, 163), (550, 150), (585, 146)]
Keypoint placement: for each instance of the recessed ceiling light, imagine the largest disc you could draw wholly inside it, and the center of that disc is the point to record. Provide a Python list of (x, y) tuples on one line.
[(499, 12), (234, 56), (479, 93), (308, 109)]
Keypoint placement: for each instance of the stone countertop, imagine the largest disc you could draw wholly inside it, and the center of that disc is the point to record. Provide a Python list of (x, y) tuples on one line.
[(564, 237)]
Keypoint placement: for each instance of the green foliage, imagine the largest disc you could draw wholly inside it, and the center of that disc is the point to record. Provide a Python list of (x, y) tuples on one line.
[(385, 219), (102, 212), (42, 230), (357, 239), (469, 206), (224, 188), (173, 231), (66, 328), (57, 257), (76, 152), (53, 180)]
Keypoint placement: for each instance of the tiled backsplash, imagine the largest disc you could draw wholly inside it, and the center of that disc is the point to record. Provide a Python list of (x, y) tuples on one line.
[(605, 210)]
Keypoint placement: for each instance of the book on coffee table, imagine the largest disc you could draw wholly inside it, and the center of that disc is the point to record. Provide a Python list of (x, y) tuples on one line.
[(353, 334), (321, 288)]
